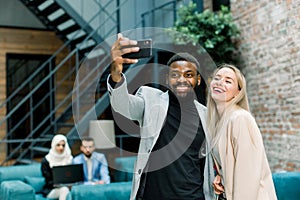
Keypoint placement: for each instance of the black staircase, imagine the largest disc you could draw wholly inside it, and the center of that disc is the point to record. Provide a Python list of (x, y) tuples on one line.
[(66, 22)]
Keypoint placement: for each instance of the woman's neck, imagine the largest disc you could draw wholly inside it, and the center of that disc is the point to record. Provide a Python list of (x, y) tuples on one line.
[(221, 106)]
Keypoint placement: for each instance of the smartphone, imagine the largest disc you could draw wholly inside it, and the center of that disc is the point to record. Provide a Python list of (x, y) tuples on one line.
[(145, 51)]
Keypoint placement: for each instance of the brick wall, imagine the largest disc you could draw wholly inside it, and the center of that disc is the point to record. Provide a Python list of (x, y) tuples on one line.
[(270, 49)]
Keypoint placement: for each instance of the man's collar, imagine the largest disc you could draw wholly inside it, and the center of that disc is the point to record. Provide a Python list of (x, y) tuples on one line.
[(87, 158)]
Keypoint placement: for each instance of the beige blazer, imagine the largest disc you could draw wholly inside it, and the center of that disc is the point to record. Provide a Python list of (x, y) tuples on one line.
[(245, 171)]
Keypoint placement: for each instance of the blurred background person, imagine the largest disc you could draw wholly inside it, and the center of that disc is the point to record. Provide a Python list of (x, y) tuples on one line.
[(59, 154), (94, 164)]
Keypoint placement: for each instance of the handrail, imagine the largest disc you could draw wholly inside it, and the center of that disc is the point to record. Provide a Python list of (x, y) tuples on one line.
[(103, 8), (159, 8)]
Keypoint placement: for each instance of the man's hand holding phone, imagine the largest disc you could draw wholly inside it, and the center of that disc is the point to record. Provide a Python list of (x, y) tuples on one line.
[(126, 51), (117, 52), (145, 51)]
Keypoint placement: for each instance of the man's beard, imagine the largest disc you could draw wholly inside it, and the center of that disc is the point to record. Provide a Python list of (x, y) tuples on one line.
[(88, 156), (189, 95)]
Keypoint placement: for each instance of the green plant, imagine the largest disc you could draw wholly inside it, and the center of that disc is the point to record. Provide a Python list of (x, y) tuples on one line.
[(214, 31)]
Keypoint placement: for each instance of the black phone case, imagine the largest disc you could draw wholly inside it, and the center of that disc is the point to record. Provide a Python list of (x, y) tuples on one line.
[(144, 52)]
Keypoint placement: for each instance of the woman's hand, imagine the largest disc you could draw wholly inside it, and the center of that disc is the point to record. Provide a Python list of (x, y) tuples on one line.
[(118, 49), (217, 184)]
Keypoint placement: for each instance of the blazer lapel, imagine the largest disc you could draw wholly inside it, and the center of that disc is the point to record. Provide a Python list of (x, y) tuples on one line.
[(202, 113)]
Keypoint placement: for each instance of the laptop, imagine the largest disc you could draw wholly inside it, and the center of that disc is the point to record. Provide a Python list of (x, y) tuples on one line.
[(67, 175)]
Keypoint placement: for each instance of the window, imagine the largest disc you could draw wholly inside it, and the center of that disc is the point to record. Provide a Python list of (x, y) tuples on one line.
[(26, 114)]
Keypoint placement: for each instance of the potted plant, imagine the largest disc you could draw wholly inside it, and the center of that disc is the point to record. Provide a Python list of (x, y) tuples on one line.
[(214, 31)]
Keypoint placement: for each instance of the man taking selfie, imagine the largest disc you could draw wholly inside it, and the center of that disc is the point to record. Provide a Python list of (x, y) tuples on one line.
[(171, 158)]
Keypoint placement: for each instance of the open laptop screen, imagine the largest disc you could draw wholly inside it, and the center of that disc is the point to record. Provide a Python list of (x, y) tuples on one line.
[(67, 174)]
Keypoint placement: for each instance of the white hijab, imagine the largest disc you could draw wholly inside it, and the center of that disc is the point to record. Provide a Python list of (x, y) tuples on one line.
[(55, 158)]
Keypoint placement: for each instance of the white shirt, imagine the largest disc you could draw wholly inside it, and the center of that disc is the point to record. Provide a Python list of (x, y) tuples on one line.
[(89, 167)]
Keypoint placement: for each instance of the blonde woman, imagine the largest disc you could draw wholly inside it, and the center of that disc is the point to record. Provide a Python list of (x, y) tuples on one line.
[(241, 164), (59, 154)]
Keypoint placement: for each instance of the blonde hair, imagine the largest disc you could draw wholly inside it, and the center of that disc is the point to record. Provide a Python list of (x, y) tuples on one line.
[(213, 118)]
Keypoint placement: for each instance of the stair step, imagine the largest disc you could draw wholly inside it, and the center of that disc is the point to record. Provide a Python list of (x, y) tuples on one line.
[(50, 9), (69, 30), (63, 18), (35, 3), (78, 40), (41, 149)]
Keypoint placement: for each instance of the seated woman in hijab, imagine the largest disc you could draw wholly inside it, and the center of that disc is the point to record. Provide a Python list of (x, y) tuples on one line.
[(59, 154)]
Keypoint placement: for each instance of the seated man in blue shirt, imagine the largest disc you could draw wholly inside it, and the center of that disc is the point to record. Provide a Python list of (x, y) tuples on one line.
[(94, 164)]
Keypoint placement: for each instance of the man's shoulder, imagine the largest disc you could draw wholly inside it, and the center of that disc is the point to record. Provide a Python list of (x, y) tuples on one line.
[(98, 155), (151, 93), (150, 89), (78, 157)]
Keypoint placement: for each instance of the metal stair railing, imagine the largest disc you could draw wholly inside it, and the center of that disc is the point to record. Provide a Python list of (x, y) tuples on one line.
[(159, 8), (80, 21), (65, 45), (29, 96)]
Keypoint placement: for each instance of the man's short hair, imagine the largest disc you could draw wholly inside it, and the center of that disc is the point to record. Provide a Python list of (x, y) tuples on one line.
[(87, 139), (184, 56)]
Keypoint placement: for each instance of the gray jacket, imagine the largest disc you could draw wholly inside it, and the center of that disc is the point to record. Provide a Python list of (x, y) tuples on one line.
[(149, 107)]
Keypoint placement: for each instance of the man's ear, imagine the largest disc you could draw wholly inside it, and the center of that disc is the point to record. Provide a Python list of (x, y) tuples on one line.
[(198, 79)]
